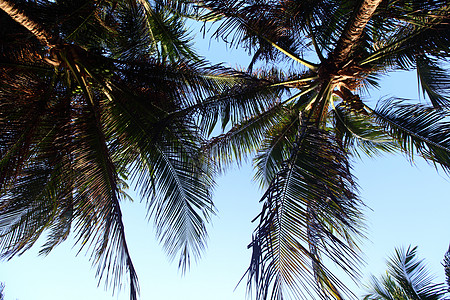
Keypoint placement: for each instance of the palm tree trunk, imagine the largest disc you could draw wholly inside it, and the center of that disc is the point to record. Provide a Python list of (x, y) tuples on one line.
[(43, 36), (353, 31)]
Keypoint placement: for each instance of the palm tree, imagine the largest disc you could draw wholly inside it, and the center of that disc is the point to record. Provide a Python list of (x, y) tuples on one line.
[(407, 278), (94, 95), (333, 52)]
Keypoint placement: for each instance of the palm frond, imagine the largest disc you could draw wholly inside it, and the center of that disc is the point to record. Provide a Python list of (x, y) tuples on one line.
[(418, 129), (169, 33), (434, 81), (243, 139), (310, 209), (359, 134), (385, 288), (447, 269), (98, 215), (165, 162), (407, 278), (276, 146), (412, 276), (400, 48)]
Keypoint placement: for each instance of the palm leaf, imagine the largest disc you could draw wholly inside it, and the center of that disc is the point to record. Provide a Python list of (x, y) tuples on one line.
[(243, 139), (276, 146), (358, 133), (407, 278), (418, 129), (98, 214), (434, 81), (307, 211), (412, 275), (169, 170)]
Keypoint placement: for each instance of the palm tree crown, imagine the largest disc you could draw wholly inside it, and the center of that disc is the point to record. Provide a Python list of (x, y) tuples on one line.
[(94, 95), (319, 118)]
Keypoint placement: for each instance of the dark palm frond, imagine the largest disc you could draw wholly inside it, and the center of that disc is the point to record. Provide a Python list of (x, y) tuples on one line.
[(248, 97), (169, 32), (446, 264), (265, 28), (359, 134), (28, 209), (276, 146), (187, 83), (401, 46), (79, 117), (183, 8), (243, 139), (330, 22), (418, 129), (413, 12), (261, 109), (178, 188), (182, 206), (434, 81), (407, 278), (98, 214), (37, 196), (24, 101), (310, 209), (130, 40), (167, 166), (412, 275)]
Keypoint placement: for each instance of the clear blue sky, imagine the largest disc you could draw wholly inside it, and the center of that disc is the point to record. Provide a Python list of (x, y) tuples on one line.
[(409, 205)]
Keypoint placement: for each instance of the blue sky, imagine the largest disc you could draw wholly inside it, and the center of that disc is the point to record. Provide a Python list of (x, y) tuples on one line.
[(408, 205)]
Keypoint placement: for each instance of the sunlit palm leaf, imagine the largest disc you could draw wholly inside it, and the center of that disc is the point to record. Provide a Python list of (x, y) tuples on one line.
[(276, 146), (412, 276), (360, 134), (400, 47), (169, 33)]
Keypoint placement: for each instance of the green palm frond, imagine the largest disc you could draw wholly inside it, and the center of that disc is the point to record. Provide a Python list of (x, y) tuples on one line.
[(243, 139), (276, 146), (20, 119), (98, 214), (359, 134), (385, 288), (115, 115), (28, 209), (329, 22), (182, 205), (259, 107), (310, 209), (418, 129), (260, 27), (249, 96)]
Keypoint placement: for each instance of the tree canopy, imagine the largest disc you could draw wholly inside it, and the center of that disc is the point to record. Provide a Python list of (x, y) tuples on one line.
[(97, 94)]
